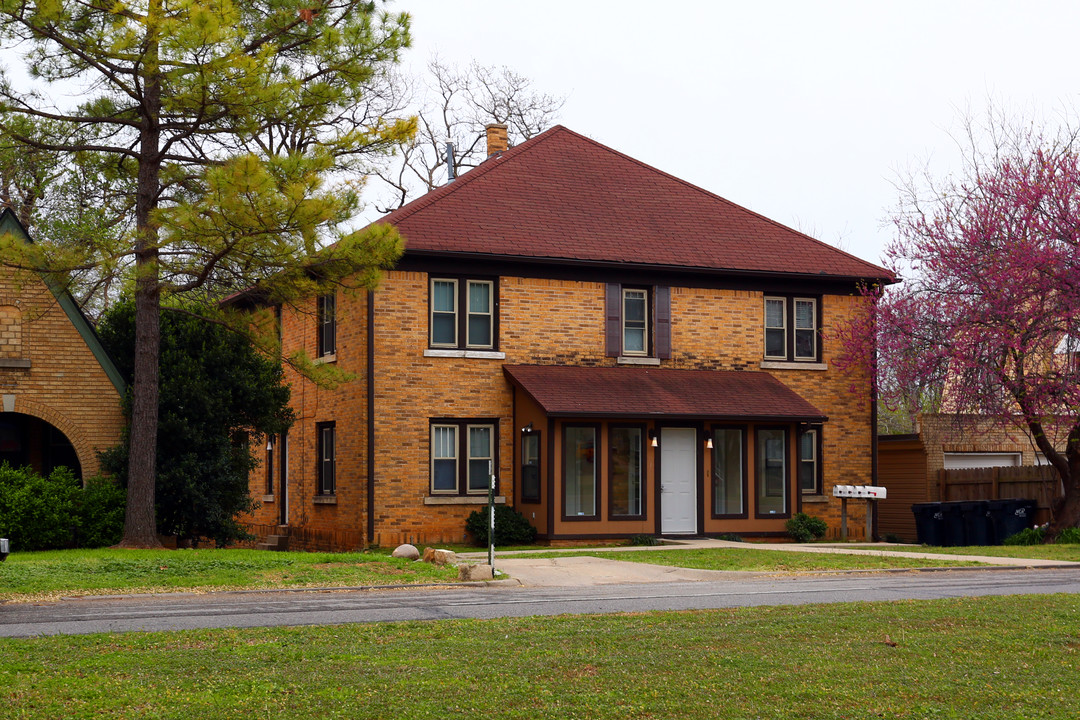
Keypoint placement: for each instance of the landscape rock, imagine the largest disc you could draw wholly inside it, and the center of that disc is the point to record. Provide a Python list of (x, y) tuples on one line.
[(476, 572), (409, 552), (440, 557)]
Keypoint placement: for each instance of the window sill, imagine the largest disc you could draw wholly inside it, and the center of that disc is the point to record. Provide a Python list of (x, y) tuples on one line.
[(815, 498), (328, 358), (478, 354), (779, 365), (462, 500), (14, 362), (325, 499), (631, 360), (268, 498)]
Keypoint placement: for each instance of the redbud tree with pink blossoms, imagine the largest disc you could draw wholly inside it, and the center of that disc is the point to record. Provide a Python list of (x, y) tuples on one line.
[(988, 310)]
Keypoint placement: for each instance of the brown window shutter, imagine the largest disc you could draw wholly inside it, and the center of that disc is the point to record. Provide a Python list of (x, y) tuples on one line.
[(663, 322), (613, 319)]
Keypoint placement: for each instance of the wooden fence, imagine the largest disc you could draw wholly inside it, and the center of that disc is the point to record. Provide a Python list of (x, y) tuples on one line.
[(1039, 483)]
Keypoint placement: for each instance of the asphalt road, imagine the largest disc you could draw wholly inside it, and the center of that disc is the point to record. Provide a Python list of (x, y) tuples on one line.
[(261, 609)]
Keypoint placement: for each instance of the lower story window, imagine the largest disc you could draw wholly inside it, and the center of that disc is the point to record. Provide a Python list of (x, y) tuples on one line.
[(462, 456), (268, 465), (626, 470), (530, 467), (771, 471), (728, 475), (579, 471), (327, 457), (809, 467)]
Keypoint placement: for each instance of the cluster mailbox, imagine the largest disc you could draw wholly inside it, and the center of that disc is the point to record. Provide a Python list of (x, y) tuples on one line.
[(871, 492)]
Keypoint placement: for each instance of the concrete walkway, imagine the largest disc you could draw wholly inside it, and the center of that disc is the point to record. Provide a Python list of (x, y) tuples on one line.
[(585, 571)]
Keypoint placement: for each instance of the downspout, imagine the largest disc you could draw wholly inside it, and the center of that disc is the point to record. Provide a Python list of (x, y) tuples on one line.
[(873, 417), (370, 416)]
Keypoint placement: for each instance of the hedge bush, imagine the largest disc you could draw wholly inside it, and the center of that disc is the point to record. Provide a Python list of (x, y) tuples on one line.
[(38, 513), (805, 528), (511, 527), (48, 513)]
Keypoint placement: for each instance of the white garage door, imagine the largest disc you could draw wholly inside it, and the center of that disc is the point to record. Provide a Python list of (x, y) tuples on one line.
[(957, 461)]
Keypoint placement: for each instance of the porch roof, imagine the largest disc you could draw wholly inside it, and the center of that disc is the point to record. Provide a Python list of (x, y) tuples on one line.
[(641, 392)]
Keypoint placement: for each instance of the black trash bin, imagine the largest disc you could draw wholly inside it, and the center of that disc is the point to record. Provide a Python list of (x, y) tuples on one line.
[(1008, 517), (977, 529), (953, 533), (929, 523)]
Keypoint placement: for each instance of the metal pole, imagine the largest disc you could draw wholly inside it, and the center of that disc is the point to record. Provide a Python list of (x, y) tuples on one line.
[(491, 516), (843, 518)]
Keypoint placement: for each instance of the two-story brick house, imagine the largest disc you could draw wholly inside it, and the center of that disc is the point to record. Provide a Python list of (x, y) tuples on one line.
[(630, 354)]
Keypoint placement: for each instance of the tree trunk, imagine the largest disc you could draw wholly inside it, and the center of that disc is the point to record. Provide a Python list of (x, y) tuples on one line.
[(1066, 515), (140, 522)]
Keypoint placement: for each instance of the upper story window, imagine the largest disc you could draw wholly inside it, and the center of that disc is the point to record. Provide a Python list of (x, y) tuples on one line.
[(638, 321), (326, 320), (635, 325), (791, 329), (462, 313)]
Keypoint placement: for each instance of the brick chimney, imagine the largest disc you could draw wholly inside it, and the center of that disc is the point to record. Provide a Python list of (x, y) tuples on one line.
[(497, 141)]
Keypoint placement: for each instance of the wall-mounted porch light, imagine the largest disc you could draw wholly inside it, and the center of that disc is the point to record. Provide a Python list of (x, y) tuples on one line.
[(527, 429), (653, 439), (708, 443)]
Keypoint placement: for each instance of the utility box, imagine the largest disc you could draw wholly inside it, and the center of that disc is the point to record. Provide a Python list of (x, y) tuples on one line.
[(4, 549)]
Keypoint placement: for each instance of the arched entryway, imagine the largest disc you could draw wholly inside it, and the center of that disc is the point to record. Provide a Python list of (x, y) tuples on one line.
[(27, 440)]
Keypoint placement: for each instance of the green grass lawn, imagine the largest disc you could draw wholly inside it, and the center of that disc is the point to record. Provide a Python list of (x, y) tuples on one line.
[(1068, 552), (750, 559), (1013, 657), (37, 575)]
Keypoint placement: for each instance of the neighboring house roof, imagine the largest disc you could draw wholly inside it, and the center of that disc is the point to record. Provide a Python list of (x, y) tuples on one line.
[(10, 225), (653, 392), (563, 197)]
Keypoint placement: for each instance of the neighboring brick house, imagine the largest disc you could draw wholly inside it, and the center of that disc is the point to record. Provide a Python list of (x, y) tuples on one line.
[(631, 353), (59, 391)]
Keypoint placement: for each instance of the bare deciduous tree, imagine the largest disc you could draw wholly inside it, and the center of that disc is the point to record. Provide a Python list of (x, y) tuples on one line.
[(454, 105)]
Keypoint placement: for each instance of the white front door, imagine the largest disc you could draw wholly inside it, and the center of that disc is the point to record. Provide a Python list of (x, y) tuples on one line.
[(678, 480)]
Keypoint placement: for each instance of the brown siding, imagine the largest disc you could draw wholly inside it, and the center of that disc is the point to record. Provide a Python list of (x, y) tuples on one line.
[(902, 471)]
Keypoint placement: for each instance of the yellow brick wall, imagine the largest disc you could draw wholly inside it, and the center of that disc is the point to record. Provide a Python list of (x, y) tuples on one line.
[(541, 321), (64, 385)]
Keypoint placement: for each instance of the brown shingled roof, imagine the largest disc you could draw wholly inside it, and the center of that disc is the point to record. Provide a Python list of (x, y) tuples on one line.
[(563, 196), (638, 392)]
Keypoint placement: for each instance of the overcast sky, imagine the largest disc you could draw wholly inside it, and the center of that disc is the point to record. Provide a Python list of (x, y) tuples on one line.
[(806, 112)]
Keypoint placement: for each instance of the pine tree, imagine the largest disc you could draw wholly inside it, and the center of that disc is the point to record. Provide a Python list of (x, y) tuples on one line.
[(225, 124)]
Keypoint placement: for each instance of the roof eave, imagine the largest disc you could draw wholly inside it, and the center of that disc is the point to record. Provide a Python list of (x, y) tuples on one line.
[(622, 265)]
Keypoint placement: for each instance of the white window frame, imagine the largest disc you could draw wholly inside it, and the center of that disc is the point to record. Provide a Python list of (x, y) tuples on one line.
[(813, 330), (455, 446), (644, 293), (812, 461), (783, 327), (490, 314), (432, 311), (490, 458)]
